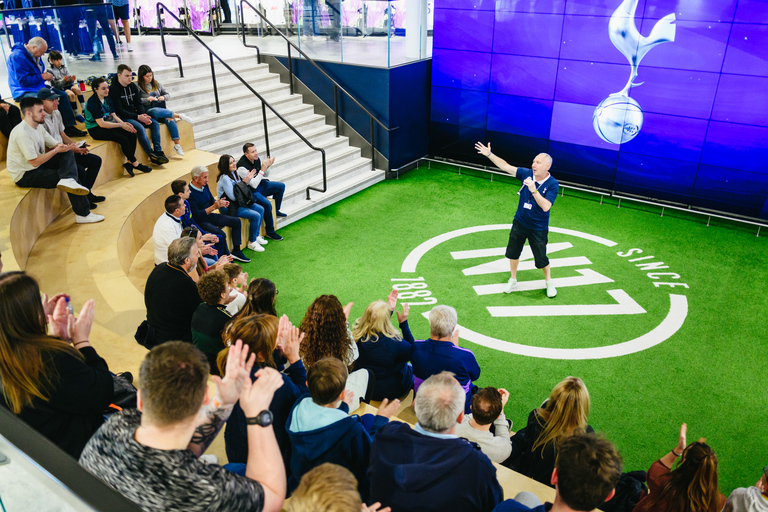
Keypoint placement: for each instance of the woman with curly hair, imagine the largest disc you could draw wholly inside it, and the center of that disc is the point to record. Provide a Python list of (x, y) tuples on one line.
[(327, 334), (689, 487)]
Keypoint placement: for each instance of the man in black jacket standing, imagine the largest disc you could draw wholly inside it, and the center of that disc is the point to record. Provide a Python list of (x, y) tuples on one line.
[(126, 99)]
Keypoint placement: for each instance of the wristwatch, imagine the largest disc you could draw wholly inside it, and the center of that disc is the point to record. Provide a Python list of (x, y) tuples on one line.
[(263, 419)]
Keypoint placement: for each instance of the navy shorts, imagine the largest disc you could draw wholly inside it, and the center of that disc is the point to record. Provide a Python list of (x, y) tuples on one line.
[(122, 12), (536, 239)]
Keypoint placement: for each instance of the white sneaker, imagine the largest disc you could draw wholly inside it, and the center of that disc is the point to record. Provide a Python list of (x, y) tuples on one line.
[(70, 186), (209, 459), (91, 218), (511, 284), (185, 117), (551, 291), (261, 240), (128, 45), (177, 148), (255, 246)]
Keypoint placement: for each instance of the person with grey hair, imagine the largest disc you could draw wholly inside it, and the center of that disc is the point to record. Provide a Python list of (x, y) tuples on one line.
[(171, 296), (203, 205), (428, 467), (441, 352), (537, 195)]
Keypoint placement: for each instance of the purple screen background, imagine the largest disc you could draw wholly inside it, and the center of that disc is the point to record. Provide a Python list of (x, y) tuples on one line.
[(527, 76)]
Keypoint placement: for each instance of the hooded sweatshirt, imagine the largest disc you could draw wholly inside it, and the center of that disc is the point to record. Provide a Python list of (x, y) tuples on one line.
[(319, 434), (410, 471), (24, 74), (748, 499), (126, 100)]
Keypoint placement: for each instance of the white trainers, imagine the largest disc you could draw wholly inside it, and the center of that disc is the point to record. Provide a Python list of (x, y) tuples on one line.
[(551, 291), (91, 218), (70, 186), (511, 284), (128, 46), (255, 246), (261, 240), (177, 148), (185, 117)]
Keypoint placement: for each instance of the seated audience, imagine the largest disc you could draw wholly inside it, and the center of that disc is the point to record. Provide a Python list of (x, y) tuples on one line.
[(263, 334), (488, 410), (262, 187), (52, 377), (126, 98), (63, 81), (30, 165), (429, 468), (690, 487), (441, 352), (383, 350), (327, 334), (208, 259), (238, 282), (154, 98), (211, 315), (88, 164), (587, 472), (167, 227), (171, 296), (329, 488), (534, 447), (749, 499), (203, 206), (103, 124), (260, 297), (240, 203), (181, 189), (321, 431), (27, 75), (10, 116), (151, 454)]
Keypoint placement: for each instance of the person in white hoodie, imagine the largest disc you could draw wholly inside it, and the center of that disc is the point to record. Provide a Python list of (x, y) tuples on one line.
[(750, 499)]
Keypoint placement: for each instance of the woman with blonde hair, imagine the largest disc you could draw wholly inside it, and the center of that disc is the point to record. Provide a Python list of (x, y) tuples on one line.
[(383, 350), (55, 382), (263, 334), (690, 487), (564, 413)]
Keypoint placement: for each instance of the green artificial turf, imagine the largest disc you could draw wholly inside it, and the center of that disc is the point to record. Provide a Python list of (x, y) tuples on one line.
[(708, 374)]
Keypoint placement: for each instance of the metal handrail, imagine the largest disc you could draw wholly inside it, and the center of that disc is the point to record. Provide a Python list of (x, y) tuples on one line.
[(264, 103), (336, 86)]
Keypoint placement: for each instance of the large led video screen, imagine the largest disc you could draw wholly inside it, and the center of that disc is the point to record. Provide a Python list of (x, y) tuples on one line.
[(656, 98)]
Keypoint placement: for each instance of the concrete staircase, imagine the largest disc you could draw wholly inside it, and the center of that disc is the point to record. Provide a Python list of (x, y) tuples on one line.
[(241, 121)]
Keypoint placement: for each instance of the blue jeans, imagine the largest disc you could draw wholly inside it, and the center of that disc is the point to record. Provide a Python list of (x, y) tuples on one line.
[(254, 214), (163, 115), (271, 188), (141, 132)]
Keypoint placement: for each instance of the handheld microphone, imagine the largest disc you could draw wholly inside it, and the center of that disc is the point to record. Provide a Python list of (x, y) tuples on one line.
[(521, 189)]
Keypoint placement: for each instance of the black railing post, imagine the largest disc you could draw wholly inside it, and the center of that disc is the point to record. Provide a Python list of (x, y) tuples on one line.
[(336, 106), (215, 89), (290, 68), (373, 148), (266, 131), (160, 8)]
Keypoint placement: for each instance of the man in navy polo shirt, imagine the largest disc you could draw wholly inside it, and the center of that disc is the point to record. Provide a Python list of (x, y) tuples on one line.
[(532, 217)]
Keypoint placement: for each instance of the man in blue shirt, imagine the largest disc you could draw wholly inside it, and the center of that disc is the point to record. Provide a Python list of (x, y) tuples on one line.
[(531, 222)]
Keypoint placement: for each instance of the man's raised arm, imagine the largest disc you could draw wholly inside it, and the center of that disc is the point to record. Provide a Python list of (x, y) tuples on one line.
[(499, 162)]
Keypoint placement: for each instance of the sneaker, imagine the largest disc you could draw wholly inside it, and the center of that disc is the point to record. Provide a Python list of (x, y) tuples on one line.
[(177, 148), (96, 199), (281, 214), (144, 168), (255, 246), (119, 43), (209, 459), (551, 291), (70, 186), (115, 56), (128, 45), (96, 58), (129, 169), (273, 236), (91, 218), (80, 119), (261, 240), (74, 131), (511, 284), (158, 158), (92, 205), (239, 256), (185, 117)]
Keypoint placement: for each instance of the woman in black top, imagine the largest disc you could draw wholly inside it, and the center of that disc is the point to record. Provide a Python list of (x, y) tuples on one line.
[(58, 384)]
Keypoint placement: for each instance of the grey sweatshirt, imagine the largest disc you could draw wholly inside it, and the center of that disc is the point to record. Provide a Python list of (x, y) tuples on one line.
[(496, 447), (160, 91), (746, 500)]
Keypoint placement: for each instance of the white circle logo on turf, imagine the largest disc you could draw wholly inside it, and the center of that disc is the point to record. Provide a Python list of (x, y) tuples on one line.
[(414, 291)]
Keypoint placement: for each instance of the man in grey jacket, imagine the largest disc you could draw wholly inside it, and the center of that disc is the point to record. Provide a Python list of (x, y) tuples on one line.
[(488, 409)]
